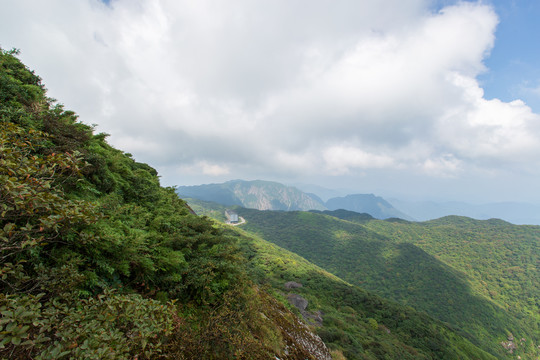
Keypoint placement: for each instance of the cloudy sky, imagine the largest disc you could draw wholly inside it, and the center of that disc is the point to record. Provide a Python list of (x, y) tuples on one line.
[(421, 99)]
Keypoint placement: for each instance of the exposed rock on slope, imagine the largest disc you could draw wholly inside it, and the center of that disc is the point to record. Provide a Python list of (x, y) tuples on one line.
[(258, 194)]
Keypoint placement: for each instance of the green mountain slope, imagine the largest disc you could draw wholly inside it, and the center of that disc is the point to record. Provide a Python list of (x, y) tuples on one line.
[(500, 259), (98, 261), (402, 271), (355, 322), (258, 194), (347, 326)]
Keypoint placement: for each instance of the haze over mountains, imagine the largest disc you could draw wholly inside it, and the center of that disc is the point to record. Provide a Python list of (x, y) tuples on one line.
[(476, 276), (261, 195), (268, 195), (514, 212), (100, 261)]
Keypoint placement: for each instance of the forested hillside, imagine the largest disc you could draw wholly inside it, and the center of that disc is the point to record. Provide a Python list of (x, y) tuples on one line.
[(500, 259), (97, 261), (354, 322), (445, 268)]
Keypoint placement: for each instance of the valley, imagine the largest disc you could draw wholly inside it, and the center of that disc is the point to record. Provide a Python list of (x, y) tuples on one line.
[(477, 276), (98, 260)]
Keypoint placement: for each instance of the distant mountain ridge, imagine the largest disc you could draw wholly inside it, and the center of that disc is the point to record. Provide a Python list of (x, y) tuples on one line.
[(257, 194), (370, 204), (268, 195), (514, 212)]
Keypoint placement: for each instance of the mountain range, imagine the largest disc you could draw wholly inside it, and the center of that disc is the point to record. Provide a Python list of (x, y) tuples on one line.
[(258, 194), (267, 195), (477, 276), (100, 261), (514, 212)]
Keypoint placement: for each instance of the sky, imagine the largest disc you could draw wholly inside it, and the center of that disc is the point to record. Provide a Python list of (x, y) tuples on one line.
[(417, 99)]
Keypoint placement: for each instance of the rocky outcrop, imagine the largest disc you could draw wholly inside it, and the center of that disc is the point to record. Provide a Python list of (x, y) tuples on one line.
[(311, 318), (266, 195), (299, 341), (258, 194), (509, 345), (292, 285), (298, 302)]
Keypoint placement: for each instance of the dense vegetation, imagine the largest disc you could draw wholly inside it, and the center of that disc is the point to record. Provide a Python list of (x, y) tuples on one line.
[(500, 259), (98, 261), (356, 323), (383, 256)]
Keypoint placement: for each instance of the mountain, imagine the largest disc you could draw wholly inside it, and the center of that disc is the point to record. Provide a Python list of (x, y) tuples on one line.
[(366, 203), (323, 193), (258, 194), (352, 321), (516, 213), (267, 195), (98, 261), (478, 276)]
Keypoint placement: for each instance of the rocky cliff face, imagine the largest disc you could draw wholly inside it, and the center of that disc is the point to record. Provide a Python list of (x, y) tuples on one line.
[(258, 194), (265, 195), (299, 341)]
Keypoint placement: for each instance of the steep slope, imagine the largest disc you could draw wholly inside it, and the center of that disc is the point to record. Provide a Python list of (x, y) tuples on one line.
[(98, 261), (373, 205), (258, 194), (500, 259), (356, 323), (398, 270)]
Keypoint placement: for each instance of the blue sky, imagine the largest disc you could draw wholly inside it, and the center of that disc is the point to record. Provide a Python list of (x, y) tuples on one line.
[(412, 98), (513, 70)]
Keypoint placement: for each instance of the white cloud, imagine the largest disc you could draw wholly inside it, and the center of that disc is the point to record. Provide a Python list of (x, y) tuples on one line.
[(444, 166), (340, 159), (248, 88), (491, 130), (205, 168)]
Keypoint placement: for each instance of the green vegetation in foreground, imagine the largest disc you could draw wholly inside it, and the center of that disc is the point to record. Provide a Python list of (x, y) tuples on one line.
[(365, 255), (97, 261), (356, 323)]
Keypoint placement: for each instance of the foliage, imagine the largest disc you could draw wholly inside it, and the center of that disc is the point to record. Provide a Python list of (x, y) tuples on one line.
[(97, 260), (108, 326), (366, 254), (356, 323), (234, 329), (92, 247)]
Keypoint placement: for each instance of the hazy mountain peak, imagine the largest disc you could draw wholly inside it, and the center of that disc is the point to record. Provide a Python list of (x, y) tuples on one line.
[(376, 206), (256, 194)]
